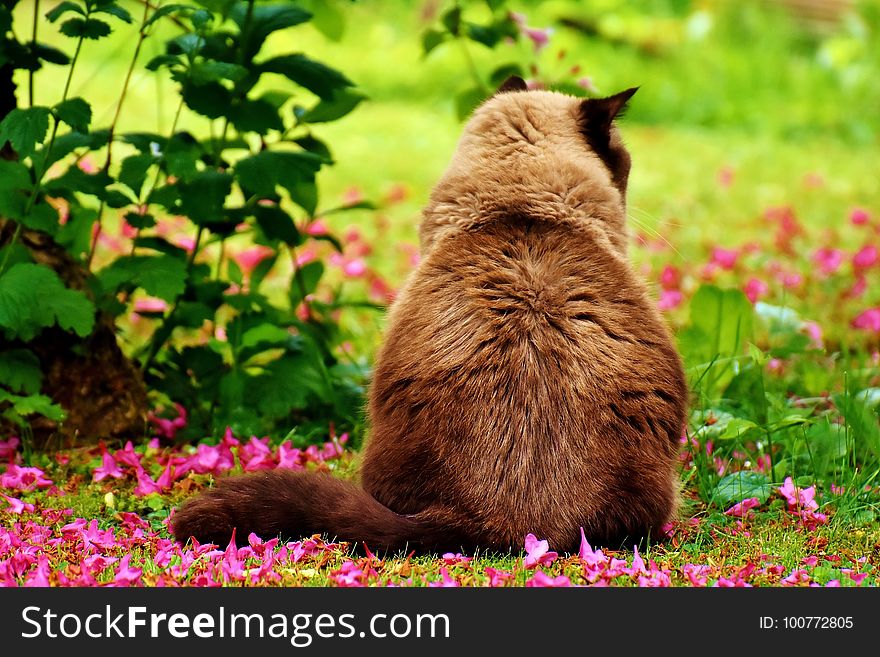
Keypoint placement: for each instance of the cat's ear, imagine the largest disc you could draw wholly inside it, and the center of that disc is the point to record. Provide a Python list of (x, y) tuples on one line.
[(597, 114), (513, 83)]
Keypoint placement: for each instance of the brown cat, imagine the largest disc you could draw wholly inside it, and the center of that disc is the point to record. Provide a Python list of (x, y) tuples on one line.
[(527, 382)]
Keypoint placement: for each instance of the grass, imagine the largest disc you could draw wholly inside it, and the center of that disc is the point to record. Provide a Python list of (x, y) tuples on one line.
[(758, 139)]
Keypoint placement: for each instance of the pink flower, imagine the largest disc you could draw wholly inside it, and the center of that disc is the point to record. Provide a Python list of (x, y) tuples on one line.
[(814, 331), (354, 268), (17, 507), (145, 484), (828, 260), (248, 259), (446, 582), (755, 288), (150, 305), (811, 560), (317, 227), (725, 176), (538, 553), (592, 559), (866, 257), (859, 216), (698, 575), (108, 468), (670, 278), (724, 258), (125, 574), (453, 559), (669, 299), (168, 427), (796, 497), (22, 478), (39, 577), (741, 509), (539, 38), (542, 580), (868, 320), (289, 456), (348, 575), (798, 576), (498, 577), (127, 456)]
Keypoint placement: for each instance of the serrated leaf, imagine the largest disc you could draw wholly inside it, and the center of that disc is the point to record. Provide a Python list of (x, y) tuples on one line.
[(20, 371), (133, 172), (257, 116), (162, 276), (25, 128), (342, 103), (87, 28), (167, 10), (76, 113), (276, 224), (318, 78), (42, 216), (210, 70), (432, 38), (203, 196), (32, 298), (304, 281), (114, 10), (484, 34), (738, 486), (212, 99), (63, 8), (50, 54), (261, 173), (139, 220), (15, 188), (30, 404), (262, 19)]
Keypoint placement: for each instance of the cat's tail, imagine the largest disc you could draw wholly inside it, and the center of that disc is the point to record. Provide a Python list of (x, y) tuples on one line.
[(298, 504)]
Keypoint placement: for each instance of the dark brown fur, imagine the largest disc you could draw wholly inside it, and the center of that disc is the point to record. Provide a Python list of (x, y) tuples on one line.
[(527, 382)]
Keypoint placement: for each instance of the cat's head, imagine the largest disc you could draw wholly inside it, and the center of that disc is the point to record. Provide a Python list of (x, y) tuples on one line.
[(560, 121), (544, 154)]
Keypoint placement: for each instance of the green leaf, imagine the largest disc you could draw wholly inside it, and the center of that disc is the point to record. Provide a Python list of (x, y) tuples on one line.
[(342, 102), (484, 34), (20, 371), (114, 10), (305, 194), (318, 78), (328, 19), (315, 146), (76, 234), (276, 224), (203, 196), (432, 38), (261, 173), (452, 20), (738, 486), (467, 101), (265, 19), (77, 180), (24, 129), (76, 113), (15, 188), (736, 428), (212, 99), (133, 172), (210, 70), (257, 116), (30, 404), (162, 276), (50, 54), (167, 10), (66, 144), (87, 28), (42, 216), (62, 9), (305, 281), (32, 297)]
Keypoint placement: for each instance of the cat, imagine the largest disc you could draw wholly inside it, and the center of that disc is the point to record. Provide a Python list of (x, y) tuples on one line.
[(526, 384)]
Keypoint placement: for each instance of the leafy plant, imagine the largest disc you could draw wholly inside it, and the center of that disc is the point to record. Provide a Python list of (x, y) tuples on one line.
[(251, 175)]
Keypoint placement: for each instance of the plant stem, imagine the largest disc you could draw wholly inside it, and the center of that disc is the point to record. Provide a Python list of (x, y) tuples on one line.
[(33, 41), (108, 160), (9, 246)]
